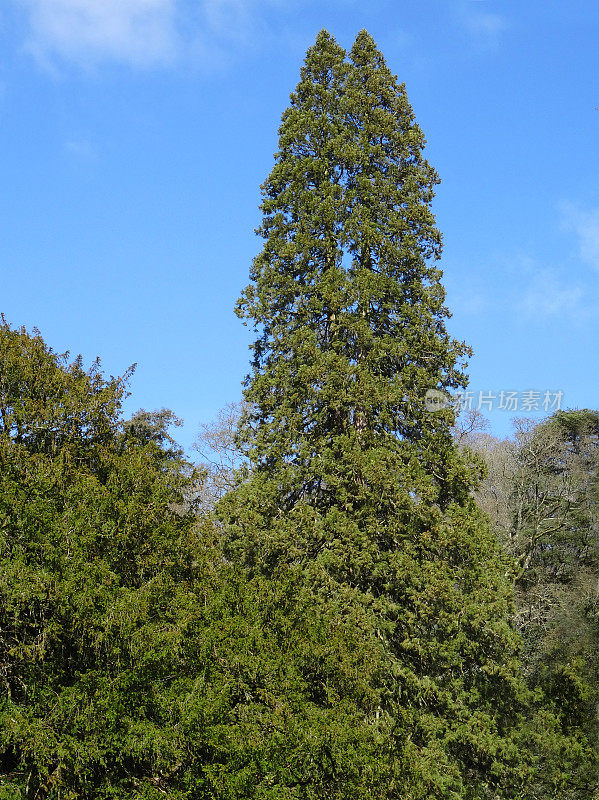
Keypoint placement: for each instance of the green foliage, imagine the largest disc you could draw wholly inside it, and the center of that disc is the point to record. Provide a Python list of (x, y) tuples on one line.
[(348, 306), (354, 483), (557, 586), (136, 663), (542, 494), (344, 628)]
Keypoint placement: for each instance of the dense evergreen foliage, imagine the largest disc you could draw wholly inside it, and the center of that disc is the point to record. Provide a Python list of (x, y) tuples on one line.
[(345, 604), (354, 481), (134, 662)]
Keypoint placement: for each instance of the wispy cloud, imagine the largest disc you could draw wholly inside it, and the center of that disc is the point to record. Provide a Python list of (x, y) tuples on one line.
[(486, 25), (80, 149), (539, 292), (231, 18), (483, 26), (143, 33), (567, 291), (137, 32), (584, 223), (549, 295)]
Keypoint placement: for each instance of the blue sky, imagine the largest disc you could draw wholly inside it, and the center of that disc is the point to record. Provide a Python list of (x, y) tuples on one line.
[(135, 134)]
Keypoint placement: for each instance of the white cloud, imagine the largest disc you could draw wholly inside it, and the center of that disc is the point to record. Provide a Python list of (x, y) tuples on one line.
[(584, 223), (483, 27), (144, 33), (486, 24), (80, 149), (542, 293), (137, 32), (548, 296)]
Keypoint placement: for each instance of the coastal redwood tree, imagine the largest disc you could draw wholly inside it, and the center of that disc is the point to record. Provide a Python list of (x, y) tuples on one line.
[(354, 482)]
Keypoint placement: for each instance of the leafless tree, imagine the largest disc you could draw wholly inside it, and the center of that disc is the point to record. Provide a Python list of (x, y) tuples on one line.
[(220, 454)]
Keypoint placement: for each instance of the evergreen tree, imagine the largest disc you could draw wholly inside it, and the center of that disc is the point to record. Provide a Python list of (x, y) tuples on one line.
[(134, 662), (354, 482)]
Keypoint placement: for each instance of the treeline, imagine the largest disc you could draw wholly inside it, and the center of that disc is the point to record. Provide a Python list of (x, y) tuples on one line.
[(541, 493), (348, 604)]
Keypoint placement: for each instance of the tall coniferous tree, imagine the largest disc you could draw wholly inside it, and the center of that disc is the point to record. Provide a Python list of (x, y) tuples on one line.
[(355, 483)]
